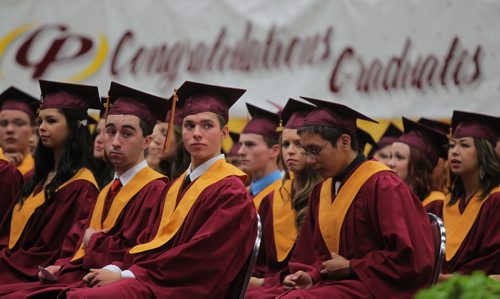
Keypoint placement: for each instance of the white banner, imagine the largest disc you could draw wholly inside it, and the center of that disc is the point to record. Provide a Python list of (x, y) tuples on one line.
[(385, 58)]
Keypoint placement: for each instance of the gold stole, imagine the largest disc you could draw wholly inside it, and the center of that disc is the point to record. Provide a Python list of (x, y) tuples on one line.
[(26, 165), (124, 195), (2, 157), (285, 231), (265, 192), (435, 195), (21, 214), (173, 216), (458, 225), (331, 215)]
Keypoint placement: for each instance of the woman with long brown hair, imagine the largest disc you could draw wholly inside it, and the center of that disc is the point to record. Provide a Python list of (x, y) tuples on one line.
[(283, 211)]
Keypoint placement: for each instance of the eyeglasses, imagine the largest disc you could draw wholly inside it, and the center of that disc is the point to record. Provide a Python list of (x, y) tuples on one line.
[(313, 150)]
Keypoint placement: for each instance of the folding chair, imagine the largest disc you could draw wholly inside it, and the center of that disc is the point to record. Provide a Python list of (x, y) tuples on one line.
[(239, 286), (439, 234)]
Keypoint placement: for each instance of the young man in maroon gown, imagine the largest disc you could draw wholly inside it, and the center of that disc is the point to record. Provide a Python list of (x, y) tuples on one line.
[(365, 235), (124, 208)]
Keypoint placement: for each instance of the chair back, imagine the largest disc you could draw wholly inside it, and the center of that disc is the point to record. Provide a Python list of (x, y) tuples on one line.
[(439, 234), (239, 286)]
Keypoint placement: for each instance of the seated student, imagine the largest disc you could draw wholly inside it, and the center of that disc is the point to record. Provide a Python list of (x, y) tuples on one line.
[(282, 212), (440, 175), (208, 226), (62, 190), (11, 182), (125, 207), (17, 126), (414, 156), (382, 152), (365, 233), (259, 150), (470, 211)]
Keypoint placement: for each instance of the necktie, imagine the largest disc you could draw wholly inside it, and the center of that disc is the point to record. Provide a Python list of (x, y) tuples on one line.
[(115, 187), (186, 183)]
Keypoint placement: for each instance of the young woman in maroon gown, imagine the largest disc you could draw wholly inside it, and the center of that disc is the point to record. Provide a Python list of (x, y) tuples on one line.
[(62, 190), (282, 212), (470, 212)]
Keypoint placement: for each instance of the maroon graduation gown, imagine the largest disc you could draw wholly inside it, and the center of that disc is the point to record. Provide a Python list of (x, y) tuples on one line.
[(386, 236), (41, 241), (480, 249), (202, 259), (11, 182), (140, 214)]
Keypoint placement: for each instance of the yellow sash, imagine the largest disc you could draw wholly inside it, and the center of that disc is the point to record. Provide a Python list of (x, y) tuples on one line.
[(124, 195), (435, 195), (458, 225), (26, 165), (285, 231), (21, 214), (173, 216), (331, 215), (265, 192), (2, 157)]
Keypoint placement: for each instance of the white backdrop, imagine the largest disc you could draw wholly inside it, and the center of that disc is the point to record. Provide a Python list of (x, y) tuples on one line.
[(386, 58)]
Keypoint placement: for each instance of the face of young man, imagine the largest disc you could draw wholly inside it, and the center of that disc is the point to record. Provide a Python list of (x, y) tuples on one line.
[(255, 156), (15, 131), (328, 160), (124, 142), (203, 136)]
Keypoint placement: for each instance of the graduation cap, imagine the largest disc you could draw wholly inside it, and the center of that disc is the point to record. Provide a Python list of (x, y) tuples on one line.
[(126, 100), (436, 125), (235, 137), (263, 122), (294, 113), (198, 97), (16, 99), (389, 136), (365, 138), (334, 115), (427, 140), (69, 96), (469, 124)]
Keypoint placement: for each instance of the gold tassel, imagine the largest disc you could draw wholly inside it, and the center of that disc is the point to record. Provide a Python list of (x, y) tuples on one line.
[(170, 129), (280, 128)]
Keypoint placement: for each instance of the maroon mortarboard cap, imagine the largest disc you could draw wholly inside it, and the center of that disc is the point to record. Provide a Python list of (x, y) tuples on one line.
[(334, 115), (389, 136), (468, 124), (263, 122), (16, 99), (179, 110), (235, 137), (294, 113), (69, 96), (198, 97), (365, 138), (427, 140), (129, 101), (436, 125)]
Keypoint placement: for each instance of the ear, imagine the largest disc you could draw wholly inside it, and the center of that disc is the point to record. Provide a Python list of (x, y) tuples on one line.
[(147, 141), (275, 151), (344, 142), (225, 132)]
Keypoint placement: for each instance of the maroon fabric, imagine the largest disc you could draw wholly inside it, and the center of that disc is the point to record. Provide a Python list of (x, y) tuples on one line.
[(263, 123), (16, 99), (294, 113), (196, 97), (481, 247), (69, 96), (11, 182), (41, 241), (386, 236), (468, 124)]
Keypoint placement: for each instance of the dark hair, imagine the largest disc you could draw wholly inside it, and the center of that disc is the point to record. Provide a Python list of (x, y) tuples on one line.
[(419, 177), (146, 129), (489, 163), (329, 133), (222, 121), (177, 164), (270, 142), (304, 182), (77, 154), (103, 171)]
